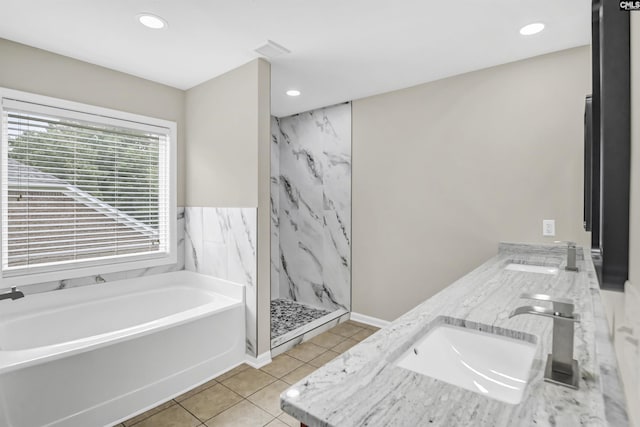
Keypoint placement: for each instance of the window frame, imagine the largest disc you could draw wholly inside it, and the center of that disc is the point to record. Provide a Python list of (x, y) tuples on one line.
[(100, 115)]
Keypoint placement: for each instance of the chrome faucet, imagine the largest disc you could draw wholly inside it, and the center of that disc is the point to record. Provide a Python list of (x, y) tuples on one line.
[(100, 279), (561, 367), (571, 255), (14, 294)]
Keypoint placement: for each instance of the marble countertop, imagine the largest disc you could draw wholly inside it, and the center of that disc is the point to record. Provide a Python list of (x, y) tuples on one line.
[(364, 387)]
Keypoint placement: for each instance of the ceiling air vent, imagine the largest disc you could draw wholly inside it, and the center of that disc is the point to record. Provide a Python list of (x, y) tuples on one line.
[(272, 49)]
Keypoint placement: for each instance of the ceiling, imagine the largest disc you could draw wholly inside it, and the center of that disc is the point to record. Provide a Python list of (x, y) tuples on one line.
[(340, 49)]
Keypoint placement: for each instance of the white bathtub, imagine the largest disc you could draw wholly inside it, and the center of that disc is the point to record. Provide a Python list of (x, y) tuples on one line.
[(96, 355)]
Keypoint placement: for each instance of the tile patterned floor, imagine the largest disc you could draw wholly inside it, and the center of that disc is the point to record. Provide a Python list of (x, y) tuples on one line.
[(248, 397), (287, 315)]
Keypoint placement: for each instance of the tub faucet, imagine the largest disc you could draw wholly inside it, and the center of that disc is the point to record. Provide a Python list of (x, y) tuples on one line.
[(561, 367), (571, 255), (14, 294), (100, 279)]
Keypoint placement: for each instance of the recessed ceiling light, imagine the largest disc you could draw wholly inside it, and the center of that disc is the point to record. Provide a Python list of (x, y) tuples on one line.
[(152, 21), (293, 92), (531, 29)]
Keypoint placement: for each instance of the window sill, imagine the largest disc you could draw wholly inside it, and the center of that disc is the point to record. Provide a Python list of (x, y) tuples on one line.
[(22, 279)]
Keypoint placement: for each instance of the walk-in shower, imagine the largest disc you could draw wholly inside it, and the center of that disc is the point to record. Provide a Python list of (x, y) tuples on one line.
[(310, 221)]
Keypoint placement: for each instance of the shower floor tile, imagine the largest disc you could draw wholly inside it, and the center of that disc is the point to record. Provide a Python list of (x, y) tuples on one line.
[(287, 315)]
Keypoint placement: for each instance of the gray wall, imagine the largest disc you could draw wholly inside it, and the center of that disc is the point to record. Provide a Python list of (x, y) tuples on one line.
[(264, 207), (227, 166), (444, 171), (222, 138), (34, 70), (222, 159)]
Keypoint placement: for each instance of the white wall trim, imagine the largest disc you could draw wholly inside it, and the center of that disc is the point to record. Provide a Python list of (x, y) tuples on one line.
[(260, 361), (368, 320)]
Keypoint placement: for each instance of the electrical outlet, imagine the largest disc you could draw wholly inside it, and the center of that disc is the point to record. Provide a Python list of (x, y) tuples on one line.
[(548, 227)]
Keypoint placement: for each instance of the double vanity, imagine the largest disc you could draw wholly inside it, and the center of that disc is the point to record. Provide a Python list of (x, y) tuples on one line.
[(521, 340)]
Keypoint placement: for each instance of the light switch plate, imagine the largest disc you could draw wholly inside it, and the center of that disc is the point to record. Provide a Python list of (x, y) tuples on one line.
[(548, 227)]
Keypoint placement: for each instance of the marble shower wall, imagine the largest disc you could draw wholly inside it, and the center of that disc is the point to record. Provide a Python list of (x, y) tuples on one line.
[(311, 208), (221, 242), (275, 211)]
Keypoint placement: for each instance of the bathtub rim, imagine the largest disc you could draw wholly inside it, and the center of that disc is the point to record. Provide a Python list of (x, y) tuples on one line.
[(12, 360), (90, 292)]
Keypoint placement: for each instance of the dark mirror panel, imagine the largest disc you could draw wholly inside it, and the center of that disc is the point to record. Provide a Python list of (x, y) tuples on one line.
[(595, 127), (607, 205)]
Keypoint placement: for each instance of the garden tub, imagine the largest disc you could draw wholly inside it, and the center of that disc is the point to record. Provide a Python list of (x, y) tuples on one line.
[(96, 355)]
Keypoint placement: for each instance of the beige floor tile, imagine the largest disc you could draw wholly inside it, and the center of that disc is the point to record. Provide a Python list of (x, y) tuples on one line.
[(196, 390), (363, 325), (281, 365), (174, 416), (277, 423), (344, 345), (298, 374), (244, 414), (232, 372), (306, 351), (362, 335), (289, 420), (248, 382), (149, 413), (269, 397), (327, 339), (324, 358), (346, 329), (211, 402)]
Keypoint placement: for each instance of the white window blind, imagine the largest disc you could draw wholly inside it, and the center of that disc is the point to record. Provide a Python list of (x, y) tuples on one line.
[(80, 188)]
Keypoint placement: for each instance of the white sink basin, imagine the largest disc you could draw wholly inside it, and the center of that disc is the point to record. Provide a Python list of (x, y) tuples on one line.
[(489, 364), (532, 268)]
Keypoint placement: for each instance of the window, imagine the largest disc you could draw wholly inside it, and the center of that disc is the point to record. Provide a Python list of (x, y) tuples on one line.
[(83, 187)]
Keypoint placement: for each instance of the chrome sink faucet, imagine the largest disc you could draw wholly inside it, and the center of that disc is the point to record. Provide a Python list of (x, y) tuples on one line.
[(13, 294), (571, 255), (561, 367)]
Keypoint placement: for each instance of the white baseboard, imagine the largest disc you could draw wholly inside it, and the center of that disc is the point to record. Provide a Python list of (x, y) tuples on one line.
[(368, 320), (260, 361)]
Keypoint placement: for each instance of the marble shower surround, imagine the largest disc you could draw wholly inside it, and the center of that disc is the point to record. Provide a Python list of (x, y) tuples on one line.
[(221, 242), (274, 199), (311, 208)]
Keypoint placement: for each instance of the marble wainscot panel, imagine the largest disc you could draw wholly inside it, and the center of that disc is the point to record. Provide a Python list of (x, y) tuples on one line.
[(314, 216), (365, 385), (109, 277), (221, 242)]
